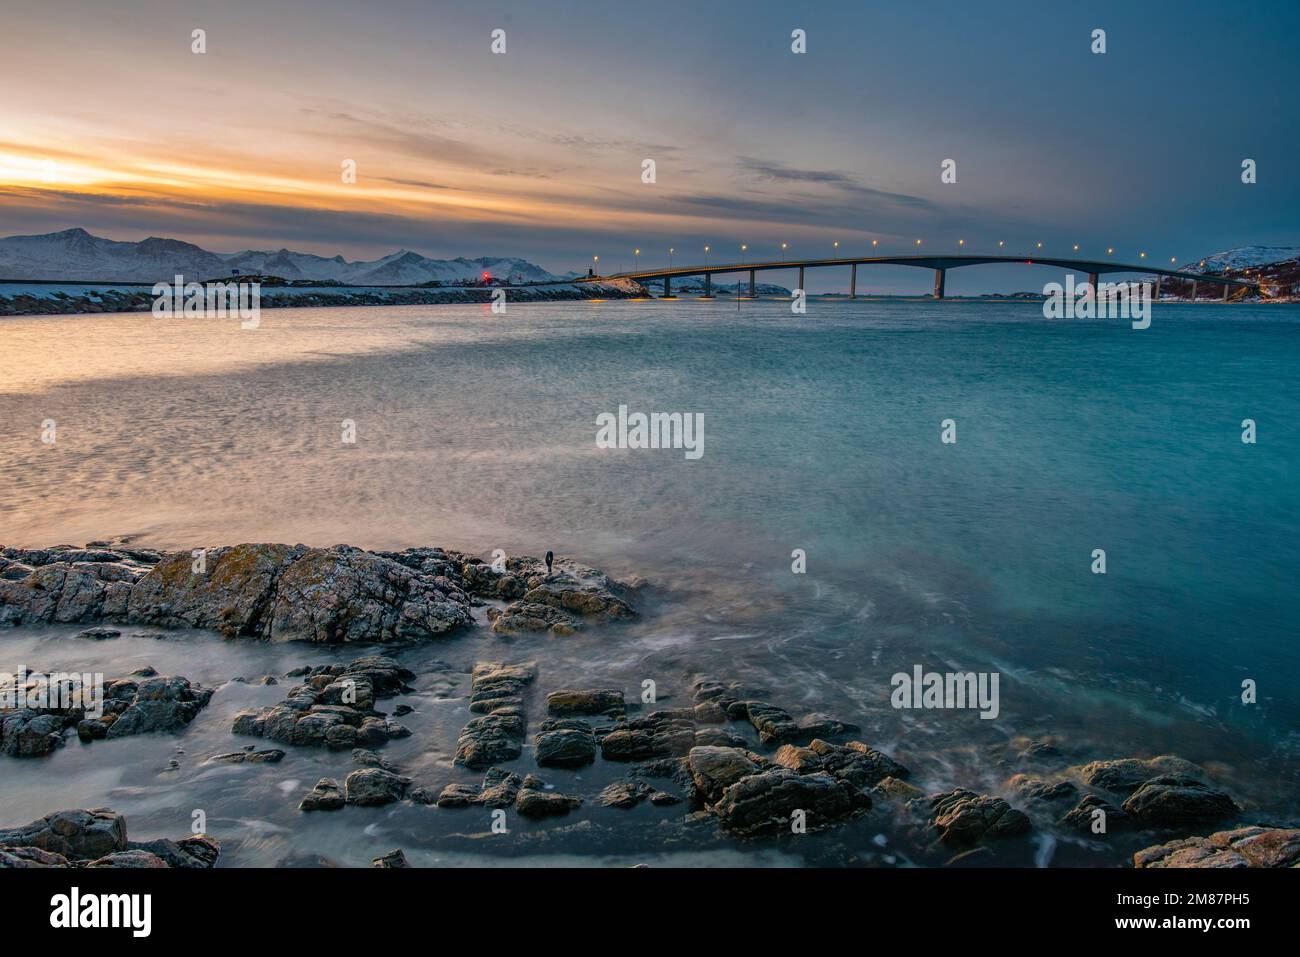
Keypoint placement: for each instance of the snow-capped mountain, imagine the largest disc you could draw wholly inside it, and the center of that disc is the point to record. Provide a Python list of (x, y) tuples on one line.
[(76, 254), (1243, 257)]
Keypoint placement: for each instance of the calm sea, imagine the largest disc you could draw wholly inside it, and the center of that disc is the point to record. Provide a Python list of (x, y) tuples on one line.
[(822, 433)]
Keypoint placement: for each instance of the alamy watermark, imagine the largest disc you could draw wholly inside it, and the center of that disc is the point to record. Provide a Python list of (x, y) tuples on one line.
[(1108, 300), (654, 430), (947, 690), (211, 300), (56, 691)]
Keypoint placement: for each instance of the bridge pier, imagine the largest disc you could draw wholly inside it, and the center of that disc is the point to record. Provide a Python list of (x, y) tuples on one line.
[(853, 281), (668, 288), (708, 285), (1226, 290), (939, 277), (801, 285), (1193, 290), (751, 284), (1158, 279)]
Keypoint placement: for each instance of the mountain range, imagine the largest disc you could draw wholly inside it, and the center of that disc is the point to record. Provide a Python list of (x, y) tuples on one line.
[(74, 254)]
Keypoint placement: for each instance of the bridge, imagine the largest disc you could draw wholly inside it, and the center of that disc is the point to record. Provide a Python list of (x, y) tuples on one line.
[(939, 263)]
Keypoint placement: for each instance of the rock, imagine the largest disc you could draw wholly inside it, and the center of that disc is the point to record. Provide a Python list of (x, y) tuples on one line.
[(823, 726), (713, 770), (268, 756), (625, 794), (369, 759), (370, 787), (233, 594), (664, 798), (660, 734), (766, 802), (560, 605), (1243, 847), (494, 685), (457, 795), (30, 857), (315, 713), (500, 788), (25, 733), (1174, 800), (718, 738), (519, 617), (856, 763), (564, 747), (1123, 776), (533, 803), (590, 702), (99, 634), (325, 796), (1082, 816), (490, 739), (797, 759), (710, 712), (129, 859), (962, 818), (897, 790), (77, 833), (1029, 789), (198, 852), (391, 859), (163, 703), (774, 725), (346, 594)]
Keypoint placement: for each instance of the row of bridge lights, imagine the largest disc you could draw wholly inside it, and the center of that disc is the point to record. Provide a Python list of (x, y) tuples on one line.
[(744, 249)]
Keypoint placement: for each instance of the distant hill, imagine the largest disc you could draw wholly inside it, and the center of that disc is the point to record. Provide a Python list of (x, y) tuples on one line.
[(1275, 268), (75, 254)]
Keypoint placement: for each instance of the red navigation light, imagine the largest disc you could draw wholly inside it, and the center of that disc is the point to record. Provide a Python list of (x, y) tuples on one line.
[(486, 276)]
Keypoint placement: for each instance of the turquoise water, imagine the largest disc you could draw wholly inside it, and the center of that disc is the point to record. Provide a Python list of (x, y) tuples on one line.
[(822, 433)]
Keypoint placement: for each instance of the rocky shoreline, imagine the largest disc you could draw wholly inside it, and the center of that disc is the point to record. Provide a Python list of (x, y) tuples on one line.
[(64, 299), (731, 766)]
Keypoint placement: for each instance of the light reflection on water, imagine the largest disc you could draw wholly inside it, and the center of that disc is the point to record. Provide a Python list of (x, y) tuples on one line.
[(476, 431)]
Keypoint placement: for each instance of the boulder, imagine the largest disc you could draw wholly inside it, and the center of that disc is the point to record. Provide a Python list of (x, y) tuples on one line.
[(962, 818), (766, 802), (370, 787), (566, 703), (1175, 800), (713, 770), (325, 796), (1243, 847), (1123, 775), (535, 803), (564, 744), (77, 833)]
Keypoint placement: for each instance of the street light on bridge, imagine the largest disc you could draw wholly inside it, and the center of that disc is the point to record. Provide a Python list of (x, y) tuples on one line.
[(743, 249), (961, 242), (706, 255), (836, 244), (918, 242), (1076, 247), (783, 252), (1001, 243), (874, 243), (636, 255), (670, 257), (1109, 250)]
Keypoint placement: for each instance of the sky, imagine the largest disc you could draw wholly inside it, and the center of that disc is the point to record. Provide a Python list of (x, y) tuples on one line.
[(109, 121)]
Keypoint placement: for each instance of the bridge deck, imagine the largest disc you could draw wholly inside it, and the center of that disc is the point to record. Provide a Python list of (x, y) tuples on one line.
[(925, 262)]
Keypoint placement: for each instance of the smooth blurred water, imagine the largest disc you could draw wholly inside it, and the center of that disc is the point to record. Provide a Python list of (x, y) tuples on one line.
[(822, 432)]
